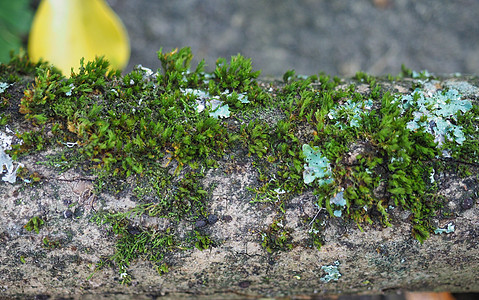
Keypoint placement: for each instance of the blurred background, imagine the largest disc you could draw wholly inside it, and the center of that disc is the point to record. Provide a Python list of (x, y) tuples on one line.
[(15, 20), (339, 37)]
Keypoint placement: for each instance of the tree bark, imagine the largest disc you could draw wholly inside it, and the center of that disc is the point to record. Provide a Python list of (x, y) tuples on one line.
[(59, 259)]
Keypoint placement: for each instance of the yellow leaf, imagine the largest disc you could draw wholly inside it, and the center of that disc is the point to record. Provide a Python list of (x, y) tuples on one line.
[(64, 31)]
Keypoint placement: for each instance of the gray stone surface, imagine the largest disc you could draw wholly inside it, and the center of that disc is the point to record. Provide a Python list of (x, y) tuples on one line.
[(376, 260), (338, 37)]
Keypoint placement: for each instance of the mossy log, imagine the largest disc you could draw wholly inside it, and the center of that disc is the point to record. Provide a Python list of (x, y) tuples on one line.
[(243, 245)]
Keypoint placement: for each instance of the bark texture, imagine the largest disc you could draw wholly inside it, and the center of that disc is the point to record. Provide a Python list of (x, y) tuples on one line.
[(375, 260)]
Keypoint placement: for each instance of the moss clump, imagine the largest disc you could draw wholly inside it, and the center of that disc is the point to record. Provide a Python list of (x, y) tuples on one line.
[(276, 237), (133, 243), (34, 224), (377, 161), (122, 124), (138, 125)]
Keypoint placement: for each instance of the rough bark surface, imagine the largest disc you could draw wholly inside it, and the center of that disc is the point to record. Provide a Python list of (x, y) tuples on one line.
[(375, 260)]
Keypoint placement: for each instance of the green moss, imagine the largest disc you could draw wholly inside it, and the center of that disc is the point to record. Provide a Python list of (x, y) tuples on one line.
[(51, 244), (138, 125), (201, 241), (364, 77), (394, 164), (126, 124), (162, 131), (134, 243), (18, 67), (34, 224), (178, 200), (277, 237)]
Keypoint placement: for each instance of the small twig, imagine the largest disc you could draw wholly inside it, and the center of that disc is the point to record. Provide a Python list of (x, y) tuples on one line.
[(319, 210)]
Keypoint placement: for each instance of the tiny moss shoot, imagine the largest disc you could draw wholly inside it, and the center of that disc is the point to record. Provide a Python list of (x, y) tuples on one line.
[(34, 224)]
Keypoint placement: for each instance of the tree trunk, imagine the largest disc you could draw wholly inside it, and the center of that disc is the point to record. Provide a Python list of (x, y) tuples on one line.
[(249, 248)]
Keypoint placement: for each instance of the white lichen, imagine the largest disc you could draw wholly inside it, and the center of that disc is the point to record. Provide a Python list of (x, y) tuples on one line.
[(3, 87), (7, 165), (217, 107), (449, 229), (317, 166), (332, 272), (350, 112), (338, 200), (436, 114), (463, 87)]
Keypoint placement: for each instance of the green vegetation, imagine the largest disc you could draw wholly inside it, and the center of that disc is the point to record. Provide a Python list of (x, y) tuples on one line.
[(360, 154), (135, 242), (137, 126), (34, 224), (276, 237), (15, 19), (50, 244), (124, 125)]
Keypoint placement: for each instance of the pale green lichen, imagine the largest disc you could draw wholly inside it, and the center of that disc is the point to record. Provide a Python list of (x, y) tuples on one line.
[(449, 229), (338, 200), (332, 272), (217, 108), (7, 167), (243, 98), (351, 112), (463, 87), (317, 166), (69, 92), (3, 87), (436, 114), (222, 111)]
